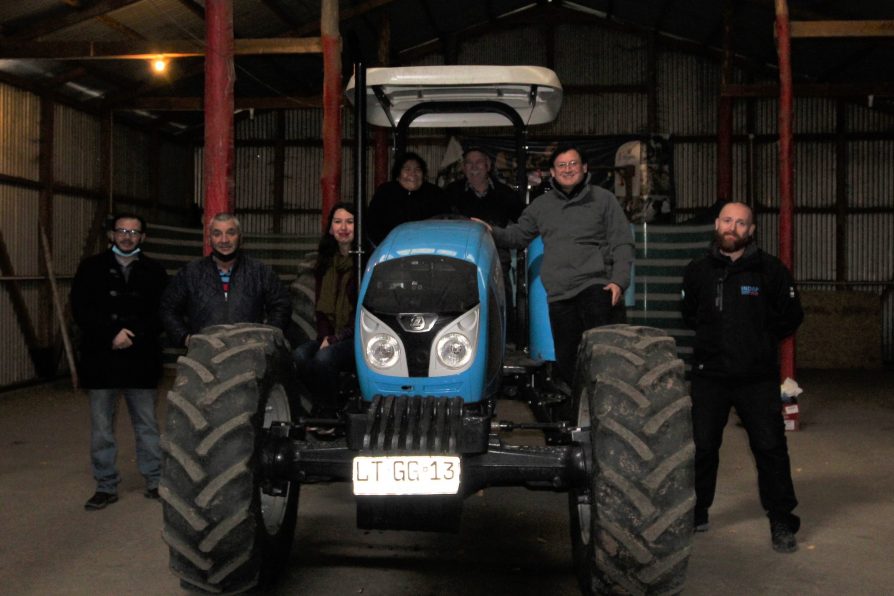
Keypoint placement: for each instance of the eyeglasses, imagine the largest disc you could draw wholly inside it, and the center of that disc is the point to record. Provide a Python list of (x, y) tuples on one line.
[(567, 164), (126, 232)]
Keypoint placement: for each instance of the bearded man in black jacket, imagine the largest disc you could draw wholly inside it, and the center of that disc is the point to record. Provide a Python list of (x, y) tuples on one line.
[(227, 286), (741, 302)]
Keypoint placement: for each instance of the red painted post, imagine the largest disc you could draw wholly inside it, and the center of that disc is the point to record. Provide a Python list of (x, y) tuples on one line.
[(725, 149), (332, 92), (725, 114), (786, 165), (220, 76)]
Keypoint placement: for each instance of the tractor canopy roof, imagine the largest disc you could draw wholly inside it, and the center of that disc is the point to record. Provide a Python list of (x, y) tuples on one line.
[(534, 92)]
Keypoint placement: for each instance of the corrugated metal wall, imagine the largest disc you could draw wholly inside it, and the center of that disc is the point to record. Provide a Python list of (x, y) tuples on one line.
[(77, 172), (18, 222), (20, 141), (76, 149), (130, 150), (19, 150)]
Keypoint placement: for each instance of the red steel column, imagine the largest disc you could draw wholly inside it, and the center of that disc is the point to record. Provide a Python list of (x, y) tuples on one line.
[(331, 177), (725, 114), (220, 76), (786, 165)]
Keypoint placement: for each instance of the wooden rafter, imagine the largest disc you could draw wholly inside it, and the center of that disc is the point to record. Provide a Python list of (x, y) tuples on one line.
[(280, 13), (344, 15), (194, 8), (826, 29), (143, 50), (810, 90), (196, 104), (47, 26), (120, 27)]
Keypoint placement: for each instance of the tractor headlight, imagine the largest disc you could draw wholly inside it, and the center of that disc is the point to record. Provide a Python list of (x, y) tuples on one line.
[(382, 350), (454, 350)]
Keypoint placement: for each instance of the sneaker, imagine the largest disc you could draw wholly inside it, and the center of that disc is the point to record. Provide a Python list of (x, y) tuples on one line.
[(701, 521), (99, 501), (151, 493), (783, 538)]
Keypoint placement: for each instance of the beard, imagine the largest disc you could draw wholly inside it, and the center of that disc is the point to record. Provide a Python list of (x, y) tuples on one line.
[(731, 242)]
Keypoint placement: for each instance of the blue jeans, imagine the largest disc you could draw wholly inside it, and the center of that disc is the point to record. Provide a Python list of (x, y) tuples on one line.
[(319, 370), (104, 450)]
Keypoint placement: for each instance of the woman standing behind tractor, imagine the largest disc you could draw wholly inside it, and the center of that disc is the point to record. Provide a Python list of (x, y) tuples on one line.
[(319, 361)]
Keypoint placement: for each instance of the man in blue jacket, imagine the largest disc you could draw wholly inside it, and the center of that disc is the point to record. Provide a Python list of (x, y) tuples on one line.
[(225, 287), (741, 302)]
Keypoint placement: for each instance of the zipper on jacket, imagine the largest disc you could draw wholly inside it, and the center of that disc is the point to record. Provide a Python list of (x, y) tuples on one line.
[(718, 297)]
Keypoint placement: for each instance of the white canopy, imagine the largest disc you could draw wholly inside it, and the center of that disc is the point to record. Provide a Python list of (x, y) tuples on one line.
[(532, 91)]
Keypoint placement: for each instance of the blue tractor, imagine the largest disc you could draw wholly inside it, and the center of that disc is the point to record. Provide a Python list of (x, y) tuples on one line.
[(421, 434)]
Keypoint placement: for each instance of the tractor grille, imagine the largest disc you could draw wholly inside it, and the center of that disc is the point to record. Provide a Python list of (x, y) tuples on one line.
[(414, 424)]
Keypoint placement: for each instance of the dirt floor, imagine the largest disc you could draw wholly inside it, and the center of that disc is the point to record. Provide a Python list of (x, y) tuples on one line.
[(512, 541)]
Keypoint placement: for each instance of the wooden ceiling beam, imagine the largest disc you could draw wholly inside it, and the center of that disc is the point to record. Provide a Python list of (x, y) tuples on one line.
[(47, 26), (809, 90), (120, 27), (826, 29), (196, 104), (194, 8), (280, 12), (343, 15), (144, 50)]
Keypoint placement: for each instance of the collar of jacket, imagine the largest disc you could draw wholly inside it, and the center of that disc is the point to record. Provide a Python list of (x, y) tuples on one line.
[(575, 192), (748, 257), (236, 261)]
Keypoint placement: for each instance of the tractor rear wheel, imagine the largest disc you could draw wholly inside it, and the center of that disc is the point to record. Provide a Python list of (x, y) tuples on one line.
[(632, 525), (226, 528)]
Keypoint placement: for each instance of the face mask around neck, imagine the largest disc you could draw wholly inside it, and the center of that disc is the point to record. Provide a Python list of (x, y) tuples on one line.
[(224, 258), (121, 253)]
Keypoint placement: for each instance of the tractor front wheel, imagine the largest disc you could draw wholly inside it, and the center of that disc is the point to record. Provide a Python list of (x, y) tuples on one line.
[(226, 528), (632, 525)]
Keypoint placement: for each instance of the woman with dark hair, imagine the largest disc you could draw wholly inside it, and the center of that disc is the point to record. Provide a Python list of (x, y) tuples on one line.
[(406, 197), (319, 361)]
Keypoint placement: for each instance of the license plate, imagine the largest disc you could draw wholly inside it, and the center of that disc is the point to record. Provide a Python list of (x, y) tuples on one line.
[(406, 475)]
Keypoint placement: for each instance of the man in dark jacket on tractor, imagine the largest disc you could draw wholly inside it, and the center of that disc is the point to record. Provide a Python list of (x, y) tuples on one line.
[(741, 302), (114, 300), (225, 287)]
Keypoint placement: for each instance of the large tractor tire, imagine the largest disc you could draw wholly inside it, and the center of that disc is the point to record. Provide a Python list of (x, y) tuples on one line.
[(631, 528), (301, 291), (227, 531)]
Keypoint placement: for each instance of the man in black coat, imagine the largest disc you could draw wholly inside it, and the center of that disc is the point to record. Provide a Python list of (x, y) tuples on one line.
[(225, 287), (114, 300), (478, 195), (741, 302)]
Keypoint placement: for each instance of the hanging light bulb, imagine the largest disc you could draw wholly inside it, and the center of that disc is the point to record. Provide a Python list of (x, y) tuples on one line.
[(159, 64)]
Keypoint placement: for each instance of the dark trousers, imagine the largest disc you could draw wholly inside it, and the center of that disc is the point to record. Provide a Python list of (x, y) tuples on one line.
[(570, 318), (319, 371), (759, 407)]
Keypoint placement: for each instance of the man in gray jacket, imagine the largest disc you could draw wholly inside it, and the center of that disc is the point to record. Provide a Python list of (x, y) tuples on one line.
[(588, 251), (225, 287)]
